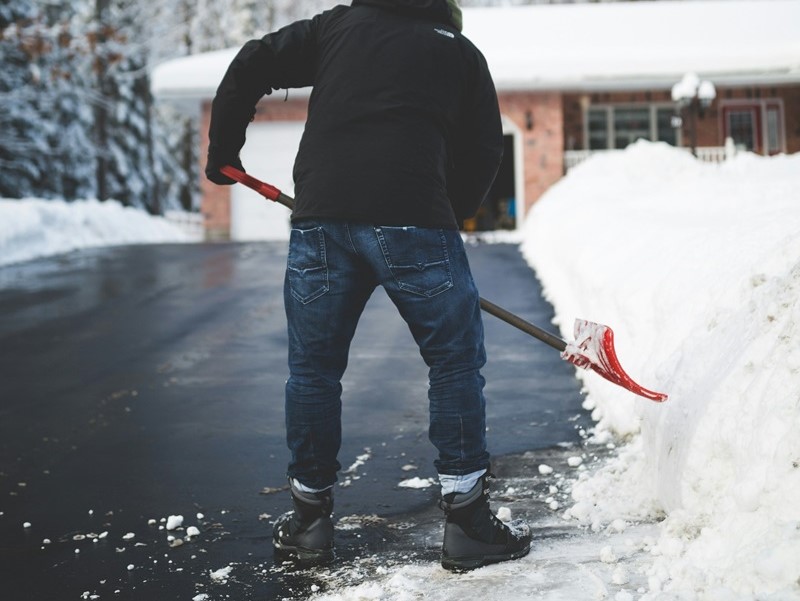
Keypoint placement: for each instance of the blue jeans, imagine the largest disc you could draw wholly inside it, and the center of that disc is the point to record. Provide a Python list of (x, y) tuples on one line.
[(332, 269)]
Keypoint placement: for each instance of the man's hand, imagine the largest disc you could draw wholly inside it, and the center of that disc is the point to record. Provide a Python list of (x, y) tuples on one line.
[(214, 164)]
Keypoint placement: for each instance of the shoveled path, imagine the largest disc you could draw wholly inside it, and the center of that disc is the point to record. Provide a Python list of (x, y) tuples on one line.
[(142, 382)]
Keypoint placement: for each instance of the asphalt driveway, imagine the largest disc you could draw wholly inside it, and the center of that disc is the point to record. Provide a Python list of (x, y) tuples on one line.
[(142, 382)]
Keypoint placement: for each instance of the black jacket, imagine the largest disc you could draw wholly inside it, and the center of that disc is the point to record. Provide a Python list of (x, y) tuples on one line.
[(403, 125)]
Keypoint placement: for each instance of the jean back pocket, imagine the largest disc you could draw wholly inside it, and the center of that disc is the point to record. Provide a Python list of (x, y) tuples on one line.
[(417, 258), (307, 266)]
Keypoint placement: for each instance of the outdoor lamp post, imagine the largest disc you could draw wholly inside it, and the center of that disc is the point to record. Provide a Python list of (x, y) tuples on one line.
[(693, 96)]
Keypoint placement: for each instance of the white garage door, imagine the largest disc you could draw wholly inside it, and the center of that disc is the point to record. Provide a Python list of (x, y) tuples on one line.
[(268, 155)]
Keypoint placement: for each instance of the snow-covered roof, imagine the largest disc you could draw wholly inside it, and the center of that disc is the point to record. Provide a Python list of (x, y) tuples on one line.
[(609, 46)]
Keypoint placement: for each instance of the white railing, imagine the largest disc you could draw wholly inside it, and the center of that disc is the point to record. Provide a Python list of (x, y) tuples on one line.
[(711, 154), (576, 157), (192, 224), (707, 154)]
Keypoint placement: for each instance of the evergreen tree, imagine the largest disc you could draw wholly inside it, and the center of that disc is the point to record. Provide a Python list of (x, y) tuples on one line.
[(135, 163), (19, 113), (46, 146)]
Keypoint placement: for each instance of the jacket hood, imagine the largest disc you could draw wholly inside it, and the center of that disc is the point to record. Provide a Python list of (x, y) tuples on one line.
[(436, 10)]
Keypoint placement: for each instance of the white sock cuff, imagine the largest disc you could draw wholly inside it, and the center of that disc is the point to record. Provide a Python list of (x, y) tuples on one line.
[(459, 484), (303, 488)]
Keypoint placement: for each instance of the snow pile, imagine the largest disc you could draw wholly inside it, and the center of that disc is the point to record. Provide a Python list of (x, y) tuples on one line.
[(33, 228), (697, 269)]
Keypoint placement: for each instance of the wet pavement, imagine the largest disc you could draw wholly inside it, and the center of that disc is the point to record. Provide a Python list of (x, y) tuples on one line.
[(142, 382)]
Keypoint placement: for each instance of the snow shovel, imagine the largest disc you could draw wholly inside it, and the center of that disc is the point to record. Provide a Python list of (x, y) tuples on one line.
[(593, 347)]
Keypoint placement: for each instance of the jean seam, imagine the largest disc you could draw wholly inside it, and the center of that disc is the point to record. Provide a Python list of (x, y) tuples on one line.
[(350, 238), (461, 434)]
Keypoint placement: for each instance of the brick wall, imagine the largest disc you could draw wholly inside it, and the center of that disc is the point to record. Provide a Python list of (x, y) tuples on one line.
[(216, 200), (539, 118)]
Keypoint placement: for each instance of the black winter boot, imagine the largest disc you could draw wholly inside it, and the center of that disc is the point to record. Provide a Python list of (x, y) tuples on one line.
[(306, 534), (474, 536)]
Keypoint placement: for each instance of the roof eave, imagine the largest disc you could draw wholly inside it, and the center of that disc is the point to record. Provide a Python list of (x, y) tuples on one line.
[(789, 76)]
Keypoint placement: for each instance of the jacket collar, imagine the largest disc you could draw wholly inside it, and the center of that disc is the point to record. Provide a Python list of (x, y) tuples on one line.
[(436, 10)]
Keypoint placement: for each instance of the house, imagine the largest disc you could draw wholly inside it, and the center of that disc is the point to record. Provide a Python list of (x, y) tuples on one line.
[(571, 80)]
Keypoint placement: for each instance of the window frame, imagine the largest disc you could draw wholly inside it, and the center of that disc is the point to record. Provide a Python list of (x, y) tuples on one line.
[(609, 109), (761, 108)]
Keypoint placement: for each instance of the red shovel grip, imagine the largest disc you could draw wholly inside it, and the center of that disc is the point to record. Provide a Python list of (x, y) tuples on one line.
[(262, 188)]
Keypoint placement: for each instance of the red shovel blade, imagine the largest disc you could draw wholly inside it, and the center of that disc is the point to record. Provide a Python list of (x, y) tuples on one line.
[(594, 349)]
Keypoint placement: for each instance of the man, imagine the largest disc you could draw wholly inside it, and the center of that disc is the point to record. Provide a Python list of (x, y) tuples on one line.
[(402, 142)]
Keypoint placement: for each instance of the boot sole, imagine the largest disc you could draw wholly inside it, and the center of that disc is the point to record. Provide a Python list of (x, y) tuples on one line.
[(303, 556), (465, 564)]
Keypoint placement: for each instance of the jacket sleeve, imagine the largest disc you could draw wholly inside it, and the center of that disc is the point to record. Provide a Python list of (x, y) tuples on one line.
[(283, 59), (477, 147)]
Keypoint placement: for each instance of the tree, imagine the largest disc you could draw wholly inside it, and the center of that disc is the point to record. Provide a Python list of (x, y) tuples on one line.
[(78, 117), (46, 139)]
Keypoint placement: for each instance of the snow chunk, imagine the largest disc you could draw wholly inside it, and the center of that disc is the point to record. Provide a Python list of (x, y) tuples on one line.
[(416, 482), (620, 576), (174, 521), (221, 575), (607, 555), (504, 514), (618, 526)]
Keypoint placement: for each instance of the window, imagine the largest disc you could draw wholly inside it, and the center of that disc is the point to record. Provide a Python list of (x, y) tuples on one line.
[(773, 133), (665, 128), (609, 127), (756, 125), (598, 127), (630, 124), (741, 126)]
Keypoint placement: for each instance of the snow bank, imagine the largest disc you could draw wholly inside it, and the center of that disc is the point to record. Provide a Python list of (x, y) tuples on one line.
[(697, 269), (33, 228)]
